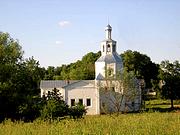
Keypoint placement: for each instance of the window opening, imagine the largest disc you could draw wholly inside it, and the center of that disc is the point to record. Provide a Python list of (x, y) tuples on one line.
[(80, 101), (72, 102), (88, 102), (108, 48)]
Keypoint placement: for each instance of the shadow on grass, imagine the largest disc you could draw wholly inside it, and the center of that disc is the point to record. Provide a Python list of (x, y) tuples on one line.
[(159, 109)]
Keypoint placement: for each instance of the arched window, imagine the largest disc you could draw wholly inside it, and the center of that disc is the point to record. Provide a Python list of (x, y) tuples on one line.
[(110, 72), (108, 48)]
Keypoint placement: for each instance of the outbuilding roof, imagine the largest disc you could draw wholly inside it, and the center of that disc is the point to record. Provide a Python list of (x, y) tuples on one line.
[(50, 84), (55, 83)]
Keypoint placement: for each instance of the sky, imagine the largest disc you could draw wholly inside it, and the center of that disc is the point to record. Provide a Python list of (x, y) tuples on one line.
[(57, 32)]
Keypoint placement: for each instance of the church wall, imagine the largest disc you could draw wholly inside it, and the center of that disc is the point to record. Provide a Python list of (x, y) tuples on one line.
[(100, 70), (114, 100), (83, 92)]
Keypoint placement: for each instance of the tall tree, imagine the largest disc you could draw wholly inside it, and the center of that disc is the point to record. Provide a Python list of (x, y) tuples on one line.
[(50, 72), (35, 71), (141, 65), (54, 106), (80, 70), (18, 78), (10, 58), (170, 74)]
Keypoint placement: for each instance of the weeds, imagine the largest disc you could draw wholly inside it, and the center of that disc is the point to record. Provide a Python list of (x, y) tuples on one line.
[(142, 123)]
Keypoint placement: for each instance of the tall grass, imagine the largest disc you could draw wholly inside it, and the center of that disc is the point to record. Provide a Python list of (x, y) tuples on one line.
[(124, 124)]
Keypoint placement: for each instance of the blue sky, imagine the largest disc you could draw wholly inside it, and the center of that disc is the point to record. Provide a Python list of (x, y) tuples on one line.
[(59, 32)]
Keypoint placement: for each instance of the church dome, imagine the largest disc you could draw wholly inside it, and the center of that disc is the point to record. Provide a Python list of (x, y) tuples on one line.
[(112, 58), (108, 27)]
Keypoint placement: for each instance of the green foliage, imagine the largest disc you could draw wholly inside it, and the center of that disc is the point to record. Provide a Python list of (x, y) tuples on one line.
[(53, 109), (129, 81), (54, 106), (10, 50), (10, 57), (84, 69), (77, 111), (81, 70), (19, 79), (19, 84), (49, 73), (141, 65), (170, 74), (30, 110), (162, 105), (126, 124)]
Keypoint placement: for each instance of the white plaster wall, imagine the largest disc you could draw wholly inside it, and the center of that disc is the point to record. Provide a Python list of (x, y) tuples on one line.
[(100, 70), (110, 102), (107, 98), (78, 91)]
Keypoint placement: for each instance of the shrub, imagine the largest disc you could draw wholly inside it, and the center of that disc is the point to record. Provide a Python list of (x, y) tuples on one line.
[(53, 106), (77, 111)]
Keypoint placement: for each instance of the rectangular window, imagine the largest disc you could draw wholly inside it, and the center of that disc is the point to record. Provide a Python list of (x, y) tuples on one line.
[(72, 102), (80, 101), (88, 102)]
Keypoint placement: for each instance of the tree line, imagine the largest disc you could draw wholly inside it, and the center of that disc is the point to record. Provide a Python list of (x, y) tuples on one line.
[(20, 78), (80, 70)]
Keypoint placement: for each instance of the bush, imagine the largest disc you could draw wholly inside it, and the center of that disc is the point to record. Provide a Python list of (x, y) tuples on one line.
[(54, 109), (53, 106), (77, 111)]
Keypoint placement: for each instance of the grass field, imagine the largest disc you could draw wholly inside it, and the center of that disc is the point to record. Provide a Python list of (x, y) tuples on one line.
[(162, 105), (145, 123)]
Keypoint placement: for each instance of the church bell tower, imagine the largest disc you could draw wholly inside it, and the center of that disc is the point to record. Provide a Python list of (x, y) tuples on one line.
[(110, 63)]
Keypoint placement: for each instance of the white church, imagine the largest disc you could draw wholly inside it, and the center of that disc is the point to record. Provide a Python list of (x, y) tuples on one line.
[(101, 95)]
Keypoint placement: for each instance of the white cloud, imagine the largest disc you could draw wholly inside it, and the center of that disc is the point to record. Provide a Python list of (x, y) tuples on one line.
[(58, 42), (64, 23)]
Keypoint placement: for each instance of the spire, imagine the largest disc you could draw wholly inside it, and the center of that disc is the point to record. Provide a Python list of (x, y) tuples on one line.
[(108, 30)]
